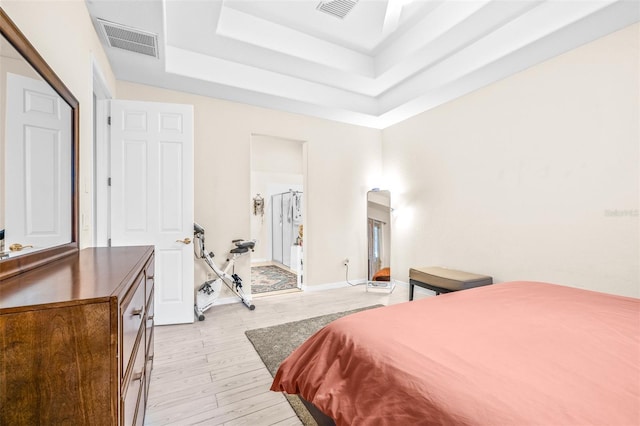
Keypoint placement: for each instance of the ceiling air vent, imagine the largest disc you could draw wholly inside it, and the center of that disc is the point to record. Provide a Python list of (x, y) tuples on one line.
[(131, 39), (337, 8)]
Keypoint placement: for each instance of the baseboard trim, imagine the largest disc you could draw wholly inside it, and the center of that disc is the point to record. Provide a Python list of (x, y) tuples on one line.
[(359, 282), (331, 286), (227, 301)]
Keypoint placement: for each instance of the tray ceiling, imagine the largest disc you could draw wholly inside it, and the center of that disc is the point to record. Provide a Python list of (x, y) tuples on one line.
[(382, 62)]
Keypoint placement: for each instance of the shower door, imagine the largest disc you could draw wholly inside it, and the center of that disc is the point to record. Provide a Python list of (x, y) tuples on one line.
[(286, 218), (276, 228)]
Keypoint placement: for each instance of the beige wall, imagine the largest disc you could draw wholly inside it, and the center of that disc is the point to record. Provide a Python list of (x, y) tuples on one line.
[(535, 177), (276, 155), (341, 161), (62, 32)]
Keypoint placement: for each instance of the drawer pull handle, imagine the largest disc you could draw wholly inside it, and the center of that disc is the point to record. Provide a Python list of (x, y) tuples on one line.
[(150, 358), (151, 317), (137, 376), (137, 312), (150, 278)]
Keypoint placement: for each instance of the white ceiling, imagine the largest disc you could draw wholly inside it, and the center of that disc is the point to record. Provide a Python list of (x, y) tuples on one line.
[(386, 61)]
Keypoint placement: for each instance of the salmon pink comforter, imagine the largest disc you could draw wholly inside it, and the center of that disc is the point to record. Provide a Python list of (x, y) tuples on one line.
[(516, 353)]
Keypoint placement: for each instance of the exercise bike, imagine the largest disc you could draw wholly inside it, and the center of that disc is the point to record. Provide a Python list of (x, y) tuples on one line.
[(209, 291)]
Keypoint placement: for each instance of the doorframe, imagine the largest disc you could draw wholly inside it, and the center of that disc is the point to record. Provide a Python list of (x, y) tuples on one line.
[(305, 198), (101, 160), (306, 211)]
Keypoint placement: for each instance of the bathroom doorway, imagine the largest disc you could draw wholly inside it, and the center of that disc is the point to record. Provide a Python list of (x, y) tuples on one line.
[(277, 223)]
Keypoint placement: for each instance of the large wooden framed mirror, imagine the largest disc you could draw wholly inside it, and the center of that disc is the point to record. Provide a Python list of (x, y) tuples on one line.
[(39, 126)]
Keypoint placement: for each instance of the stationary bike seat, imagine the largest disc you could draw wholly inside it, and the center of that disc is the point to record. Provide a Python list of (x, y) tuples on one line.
[(245, 244)]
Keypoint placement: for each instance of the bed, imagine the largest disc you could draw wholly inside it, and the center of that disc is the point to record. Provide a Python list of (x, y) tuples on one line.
[(514, 353)]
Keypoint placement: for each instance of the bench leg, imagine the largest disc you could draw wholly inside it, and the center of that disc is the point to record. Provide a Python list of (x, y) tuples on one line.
[(410, 292)]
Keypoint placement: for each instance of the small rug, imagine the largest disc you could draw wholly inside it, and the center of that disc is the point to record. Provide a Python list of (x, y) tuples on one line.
[(275, 343), (271, 278)]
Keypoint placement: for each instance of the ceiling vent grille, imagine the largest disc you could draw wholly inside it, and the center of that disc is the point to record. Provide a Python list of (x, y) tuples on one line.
[(128, 38), (337, 8)]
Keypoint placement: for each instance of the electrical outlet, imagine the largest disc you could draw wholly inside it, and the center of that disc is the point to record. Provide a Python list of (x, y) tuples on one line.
[(345, 262)]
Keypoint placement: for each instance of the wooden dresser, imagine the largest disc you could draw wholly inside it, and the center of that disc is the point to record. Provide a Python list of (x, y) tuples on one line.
[(76, 340)]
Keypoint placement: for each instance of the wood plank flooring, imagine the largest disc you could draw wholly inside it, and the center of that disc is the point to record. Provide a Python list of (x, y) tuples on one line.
[(209, 373)]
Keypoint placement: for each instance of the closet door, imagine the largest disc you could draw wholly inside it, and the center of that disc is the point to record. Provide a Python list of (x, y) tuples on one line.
[(152, 196), (276, 227)]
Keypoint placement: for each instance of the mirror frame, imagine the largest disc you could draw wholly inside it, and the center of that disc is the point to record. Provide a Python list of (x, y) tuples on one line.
[(22, 263)]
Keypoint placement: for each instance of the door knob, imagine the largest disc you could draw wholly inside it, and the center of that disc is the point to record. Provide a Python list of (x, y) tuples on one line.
[(185, 241)]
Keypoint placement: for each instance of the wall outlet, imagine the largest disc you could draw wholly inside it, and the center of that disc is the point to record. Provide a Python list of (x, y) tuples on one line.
[(345, 262)]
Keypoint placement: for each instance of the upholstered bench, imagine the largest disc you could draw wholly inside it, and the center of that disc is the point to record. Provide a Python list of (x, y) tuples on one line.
[(443, 280)]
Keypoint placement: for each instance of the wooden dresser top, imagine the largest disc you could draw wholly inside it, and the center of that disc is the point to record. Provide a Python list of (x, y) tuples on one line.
[(93, 274)]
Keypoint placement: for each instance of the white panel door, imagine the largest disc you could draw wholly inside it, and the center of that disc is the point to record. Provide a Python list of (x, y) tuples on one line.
[(38, 189), (152, 196)]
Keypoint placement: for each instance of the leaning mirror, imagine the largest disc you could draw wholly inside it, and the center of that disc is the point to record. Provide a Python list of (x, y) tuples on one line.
[(38, 154), (379, 241)]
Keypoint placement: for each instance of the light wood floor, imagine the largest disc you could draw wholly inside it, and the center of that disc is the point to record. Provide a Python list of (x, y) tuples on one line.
[(209, 373)]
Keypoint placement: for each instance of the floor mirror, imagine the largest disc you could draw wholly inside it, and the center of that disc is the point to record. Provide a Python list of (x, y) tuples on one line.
[(379, 241)]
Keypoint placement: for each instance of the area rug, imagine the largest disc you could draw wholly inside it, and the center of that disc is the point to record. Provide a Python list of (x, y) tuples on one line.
[(271, 278), (275, 343)]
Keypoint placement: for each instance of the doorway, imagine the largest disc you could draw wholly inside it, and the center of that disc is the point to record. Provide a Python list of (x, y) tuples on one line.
[(143, 188), (100, 203), (277, 188)]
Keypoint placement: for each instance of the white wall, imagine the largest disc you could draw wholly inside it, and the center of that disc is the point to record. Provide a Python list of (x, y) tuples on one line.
[(522, 180), (62, 32), (343, 162)]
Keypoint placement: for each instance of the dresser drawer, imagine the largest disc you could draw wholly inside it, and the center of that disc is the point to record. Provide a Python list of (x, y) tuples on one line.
[(133, 313), (133, 390), (149, 319), (149, 363)]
